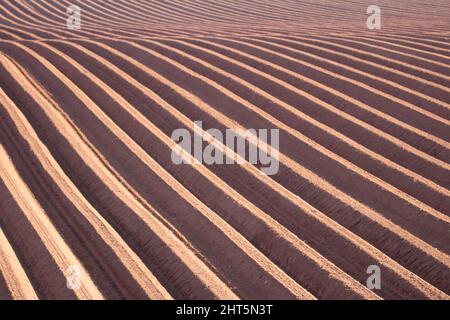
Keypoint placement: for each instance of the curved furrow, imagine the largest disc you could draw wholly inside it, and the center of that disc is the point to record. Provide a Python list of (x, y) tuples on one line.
[(183, 218), (97, 235), (414, 56), (419, 47), (429, 40), (197, 11), (242, 203), (361, 54), (236, 12), (30, 17), (95, 7), (159, 233), (375, 60), (6, 35), (392, 46), (43, 32), (21, 22), (161, 14), (425, 78), (348, 95), (94, 30), (36, 35), (368, 213), (14, 282), (52, 25), (96, 19), (193, 15), (99, 17), (343, 122), (274, 123), (47, 252), (237, 84), (403, 95), (270, 8), (132, 17), (349, 186), (94, 204)]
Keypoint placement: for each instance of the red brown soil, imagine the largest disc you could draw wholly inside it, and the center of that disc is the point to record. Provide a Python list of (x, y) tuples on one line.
[(86, 177)]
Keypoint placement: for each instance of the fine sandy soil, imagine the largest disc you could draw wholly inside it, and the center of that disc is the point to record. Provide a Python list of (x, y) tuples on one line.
[(87, 180)]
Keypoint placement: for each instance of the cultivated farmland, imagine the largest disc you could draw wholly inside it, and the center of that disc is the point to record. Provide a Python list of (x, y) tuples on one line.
[(93, 207)]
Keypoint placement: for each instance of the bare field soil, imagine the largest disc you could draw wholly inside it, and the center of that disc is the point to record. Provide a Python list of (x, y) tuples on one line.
[(93, 207)]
